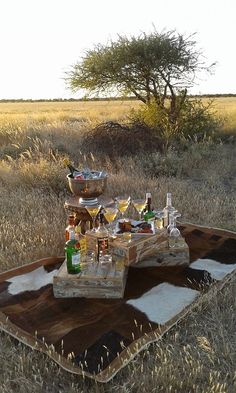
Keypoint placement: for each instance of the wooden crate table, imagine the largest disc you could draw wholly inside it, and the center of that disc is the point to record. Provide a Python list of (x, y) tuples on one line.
[(145, 248), (142, 251), (102, 283), (166, 256), (132, 252)]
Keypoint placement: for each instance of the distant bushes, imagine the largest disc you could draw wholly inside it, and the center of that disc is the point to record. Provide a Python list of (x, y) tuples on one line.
[(116, 140), (194, 120)]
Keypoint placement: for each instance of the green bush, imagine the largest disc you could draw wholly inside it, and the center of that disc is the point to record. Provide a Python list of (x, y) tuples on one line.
[(192, 120)]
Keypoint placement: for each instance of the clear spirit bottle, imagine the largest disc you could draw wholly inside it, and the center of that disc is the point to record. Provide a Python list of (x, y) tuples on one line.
[(169, 209)]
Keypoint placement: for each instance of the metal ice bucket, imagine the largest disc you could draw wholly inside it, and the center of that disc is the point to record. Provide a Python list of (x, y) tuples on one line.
[(88, 190)]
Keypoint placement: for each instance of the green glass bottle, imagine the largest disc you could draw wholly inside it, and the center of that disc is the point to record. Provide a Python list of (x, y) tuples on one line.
[(149, 215), (72, 250)]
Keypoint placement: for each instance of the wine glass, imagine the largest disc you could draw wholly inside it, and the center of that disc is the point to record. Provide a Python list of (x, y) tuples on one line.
[(159, 215), (110, 214), (139, 205), (122, 204), (93, 212), (174, 236)]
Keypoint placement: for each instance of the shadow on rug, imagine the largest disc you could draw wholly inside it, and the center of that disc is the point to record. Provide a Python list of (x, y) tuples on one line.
[(98, 337)]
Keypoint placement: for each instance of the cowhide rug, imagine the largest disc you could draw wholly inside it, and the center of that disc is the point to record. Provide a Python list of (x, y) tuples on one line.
[(97, 337)]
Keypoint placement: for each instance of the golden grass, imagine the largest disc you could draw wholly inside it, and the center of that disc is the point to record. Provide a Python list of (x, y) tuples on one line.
[(197, 356)]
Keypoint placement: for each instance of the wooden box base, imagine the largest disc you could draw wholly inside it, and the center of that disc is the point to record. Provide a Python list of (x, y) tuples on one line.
[(166, 256), (100, 284), (140, 247)]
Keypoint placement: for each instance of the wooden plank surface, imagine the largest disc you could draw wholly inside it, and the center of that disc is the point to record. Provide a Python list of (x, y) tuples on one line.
[(140, 246), (102, 283)]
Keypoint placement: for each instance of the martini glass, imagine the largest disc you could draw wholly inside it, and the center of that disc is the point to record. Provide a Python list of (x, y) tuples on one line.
[(139, 205), (93, 212), (122, 204), (110, 214)]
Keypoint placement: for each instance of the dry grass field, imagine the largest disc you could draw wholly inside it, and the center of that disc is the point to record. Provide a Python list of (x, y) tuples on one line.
[(199, 355)]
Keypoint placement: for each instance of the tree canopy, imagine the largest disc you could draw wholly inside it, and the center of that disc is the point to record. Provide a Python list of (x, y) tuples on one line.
[(158, 69), (148, 67)]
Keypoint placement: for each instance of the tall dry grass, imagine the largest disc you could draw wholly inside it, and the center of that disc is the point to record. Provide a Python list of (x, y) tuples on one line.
[(199, 355)]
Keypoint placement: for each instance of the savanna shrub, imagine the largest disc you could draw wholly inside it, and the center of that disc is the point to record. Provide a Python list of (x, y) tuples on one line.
[(116, 140), (192, 119)]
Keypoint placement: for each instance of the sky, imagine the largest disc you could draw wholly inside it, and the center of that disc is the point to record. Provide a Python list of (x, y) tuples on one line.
[(41, 39)]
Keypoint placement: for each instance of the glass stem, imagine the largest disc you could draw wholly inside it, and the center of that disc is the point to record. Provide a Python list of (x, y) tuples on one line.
[(94, 222)]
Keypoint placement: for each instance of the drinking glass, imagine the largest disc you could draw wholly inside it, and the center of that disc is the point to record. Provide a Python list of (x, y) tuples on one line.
[(174, 237), (88, 263), (122, 204), (93, 212), (159, 215), (110, 214), (174, 232), (139, 205)]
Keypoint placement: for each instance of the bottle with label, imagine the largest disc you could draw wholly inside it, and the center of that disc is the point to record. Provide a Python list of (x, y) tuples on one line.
[(82, 240), (149, 215), (72, 250), (169, 209), (102, 236), (70, 227)]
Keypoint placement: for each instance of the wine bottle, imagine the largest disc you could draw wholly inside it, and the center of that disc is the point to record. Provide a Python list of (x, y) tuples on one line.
[(169, 209), (149, 215), (73, 170)]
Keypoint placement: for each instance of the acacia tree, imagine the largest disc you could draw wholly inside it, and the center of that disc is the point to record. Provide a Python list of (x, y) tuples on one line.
[(157, 69)]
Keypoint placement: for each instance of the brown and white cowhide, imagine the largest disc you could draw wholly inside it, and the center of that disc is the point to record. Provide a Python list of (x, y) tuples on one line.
[(100, 336)]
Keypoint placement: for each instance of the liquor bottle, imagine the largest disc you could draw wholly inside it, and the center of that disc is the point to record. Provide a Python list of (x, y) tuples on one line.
[(102, 236), (70, 227), (149, 215), (82, 240), (168, 210), (72, 250)]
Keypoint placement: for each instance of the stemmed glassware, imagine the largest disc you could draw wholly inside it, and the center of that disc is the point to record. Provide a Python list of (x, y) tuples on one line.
[(172, 220), (159, 215), (122, 204), (110, 214), (174, 232), (139, 205), (93, 212)]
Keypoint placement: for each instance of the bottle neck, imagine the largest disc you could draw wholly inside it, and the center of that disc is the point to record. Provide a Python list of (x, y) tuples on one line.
[(71, 220), (172, 220), (101, 226), (168, 200), (149, 202), (71, 235), (72, 169)]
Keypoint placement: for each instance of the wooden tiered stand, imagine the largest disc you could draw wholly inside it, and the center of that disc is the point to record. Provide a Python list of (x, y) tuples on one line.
[(72, 205)]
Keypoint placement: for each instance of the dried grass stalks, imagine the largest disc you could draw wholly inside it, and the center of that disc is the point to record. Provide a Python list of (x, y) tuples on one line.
[(196, 356)]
